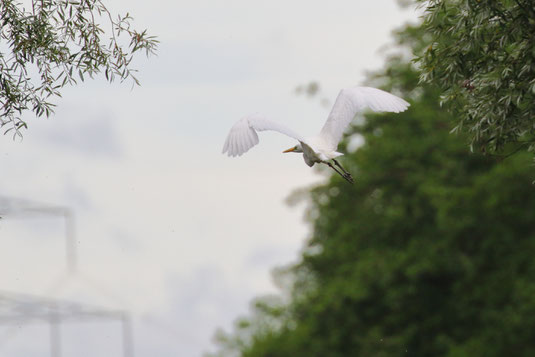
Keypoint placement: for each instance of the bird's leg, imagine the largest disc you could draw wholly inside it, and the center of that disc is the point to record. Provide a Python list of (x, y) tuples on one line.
[(341, 168), (346, 173), (346, 176)]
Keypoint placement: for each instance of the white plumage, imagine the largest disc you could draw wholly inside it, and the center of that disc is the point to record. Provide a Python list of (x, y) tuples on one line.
[(243, 135), (320, 148)]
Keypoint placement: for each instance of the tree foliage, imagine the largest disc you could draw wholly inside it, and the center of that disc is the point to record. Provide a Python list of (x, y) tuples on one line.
[(55, 43), (482, 54), (429, 253)]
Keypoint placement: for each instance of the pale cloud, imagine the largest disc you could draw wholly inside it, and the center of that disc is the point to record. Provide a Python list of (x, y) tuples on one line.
[(90, 132)]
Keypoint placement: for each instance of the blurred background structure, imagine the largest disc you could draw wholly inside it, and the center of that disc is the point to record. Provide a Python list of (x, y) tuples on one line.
[(17, 310), (11, 207)]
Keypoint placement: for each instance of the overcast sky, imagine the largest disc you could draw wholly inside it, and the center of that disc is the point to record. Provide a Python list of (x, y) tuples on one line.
[(167, 227)]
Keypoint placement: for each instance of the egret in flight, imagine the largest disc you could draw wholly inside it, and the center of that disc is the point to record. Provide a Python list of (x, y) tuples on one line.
[(322, 147)]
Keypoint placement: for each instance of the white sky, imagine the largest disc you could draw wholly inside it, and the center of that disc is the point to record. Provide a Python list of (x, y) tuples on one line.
[(167, 227)]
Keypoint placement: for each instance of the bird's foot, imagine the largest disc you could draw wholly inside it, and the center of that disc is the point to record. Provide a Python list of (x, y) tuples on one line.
[(345, 174), (348, 177)]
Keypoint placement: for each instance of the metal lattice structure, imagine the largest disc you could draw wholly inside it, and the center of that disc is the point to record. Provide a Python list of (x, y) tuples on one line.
[(20, 208), (16, 309), (22, 309)]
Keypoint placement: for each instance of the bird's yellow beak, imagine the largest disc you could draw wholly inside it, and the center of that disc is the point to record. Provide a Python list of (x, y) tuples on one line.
[(289, 150)]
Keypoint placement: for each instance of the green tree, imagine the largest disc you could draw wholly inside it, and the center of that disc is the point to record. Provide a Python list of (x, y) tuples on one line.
[(482, 55), (429, 253), (54, 43)]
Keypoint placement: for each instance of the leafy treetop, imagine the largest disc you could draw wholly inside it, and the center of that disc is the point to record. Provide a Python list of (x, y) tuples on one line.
[(482, 55)]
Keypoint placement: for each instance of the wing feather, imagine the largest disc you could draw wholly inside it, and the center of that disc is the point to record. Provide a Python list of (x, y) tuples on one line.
[(243, 135), (242, 141), (352, 100)]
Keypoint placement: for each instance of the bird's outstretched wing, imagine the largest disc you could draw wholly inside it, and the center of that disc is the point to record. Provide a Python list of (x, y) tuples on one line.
[(352, 100), (243, 135)]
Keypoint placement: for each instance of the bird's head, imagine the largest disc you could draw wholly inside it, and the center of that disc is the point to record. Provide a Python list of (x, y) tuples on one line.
[(297, 149)]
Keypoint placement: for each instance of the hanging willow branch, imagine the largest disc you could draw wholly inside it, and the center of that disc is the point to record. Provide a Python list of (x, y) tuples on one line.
[(56, 43)]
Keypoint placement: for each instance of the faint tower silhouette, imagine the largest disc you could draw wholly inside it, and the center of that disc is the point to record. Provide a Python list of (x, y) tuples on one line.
[(18, 308)]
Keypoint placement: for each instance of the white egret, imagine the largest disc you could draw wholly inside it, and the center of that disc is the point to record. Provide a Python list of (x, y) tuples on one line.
[(320, 148)]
